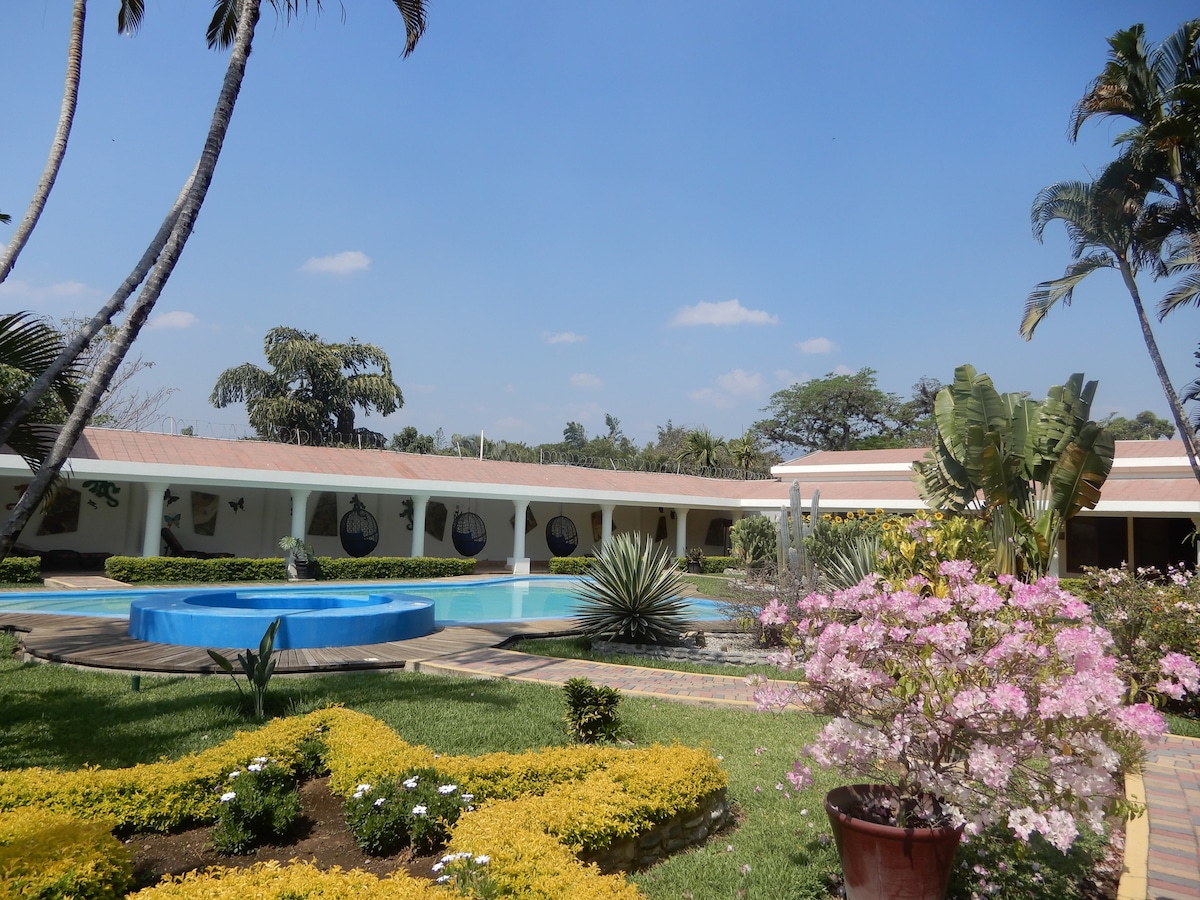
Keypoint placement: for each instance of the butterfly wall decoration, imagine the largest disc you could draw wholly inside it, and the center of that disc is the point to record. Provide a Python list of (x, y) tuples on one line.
[(169, 497), (239, 503), (172, 521)]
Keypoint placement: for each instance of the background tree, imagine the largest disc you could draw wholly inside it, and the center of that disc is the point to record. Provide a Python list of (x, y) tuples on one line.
[(123, 404), (746, 452), (704, 449), (312, 387), (837, 412), (1145, 426), (409, 440)]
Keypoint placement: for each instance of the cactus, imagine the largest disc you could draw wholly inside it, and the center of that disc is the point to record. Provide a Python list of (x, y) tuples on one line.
[(793, 555)]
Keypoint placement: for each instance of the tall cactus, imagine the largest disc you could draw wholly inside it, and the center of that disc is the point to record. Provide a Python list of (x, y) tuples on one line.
[(793, 554)]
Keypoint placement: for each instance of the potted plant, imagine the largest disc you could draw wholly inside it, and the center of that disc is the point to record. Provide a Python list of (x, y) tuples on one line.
[(695, 560), (300, 553), (956, 704)]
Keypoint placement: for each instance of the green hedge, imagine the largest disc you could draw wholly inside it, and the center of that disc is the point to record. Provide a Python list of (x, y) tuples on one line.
[(173, 569), (21, 570), (391, 567), (712, 565), (570, 565)]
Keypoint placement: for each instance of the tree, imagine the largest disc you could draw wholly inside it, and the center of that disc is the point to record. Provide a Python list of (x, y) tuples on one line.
[(233, 26), (745, 451), (1025, 465), (574, 436), (409, 440), (58, 148), (123, 404), (313, 387), (837, 412), (1106, 225), (702, 448), (27, 346), (1145, 426)]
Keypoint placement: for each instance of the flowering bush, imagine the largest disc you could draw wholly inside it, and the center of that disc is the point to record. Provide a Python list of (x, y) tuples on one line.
[(418, 809), (1002, 701), (467, 874), (1155, 626), (258, 803)]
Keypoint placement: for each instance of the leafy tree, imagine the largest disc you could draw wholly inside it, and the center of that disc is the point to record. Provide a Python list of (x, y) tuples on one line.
[(123, 404), (574, 436), (233, 26), (1145, 426), (1025, 465), (409, 440), (746, 452), (837, 412), (312, 387)]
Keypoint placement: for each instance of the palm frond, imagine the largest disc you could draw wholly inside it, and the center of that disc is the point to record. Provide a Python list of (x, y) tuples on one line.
[(1043, 297)]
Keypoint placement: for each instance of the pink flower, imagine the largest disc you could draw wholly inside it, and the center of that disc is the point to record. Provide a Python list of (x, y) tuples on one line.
[(774, 613)]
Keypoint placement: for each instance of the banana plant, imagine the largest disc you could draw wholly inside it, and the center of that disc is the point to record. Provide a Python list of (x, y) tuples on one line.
[(257, 668), (1025, 465)]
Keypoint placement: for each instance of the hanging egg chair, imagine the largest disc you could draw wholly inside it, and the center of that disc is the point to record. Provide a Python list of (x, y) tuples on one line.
[(359, 531), (561, 536), (468, 533)]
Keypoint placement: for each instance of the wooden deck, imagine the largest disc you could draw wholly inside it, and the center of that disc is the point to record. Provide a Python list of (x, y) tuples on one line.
[(102, 643)]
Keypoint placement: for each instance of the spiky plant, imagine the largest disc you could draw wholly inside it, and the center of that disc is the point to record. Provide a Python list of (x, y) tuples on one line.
[(632, 593), (849, 563)]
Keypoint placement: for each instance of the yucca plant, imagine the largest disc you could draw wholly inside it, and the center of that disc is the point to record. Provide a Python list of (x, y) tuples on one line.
[(851, 561), (632, 593)]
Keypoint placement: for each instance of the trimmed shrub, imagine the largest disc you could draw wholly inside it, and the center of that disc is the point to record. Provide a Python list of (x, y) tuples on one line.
[(571, 565), (710, 565), (392, 568), (52, 856), (591, 711), (173, 569), (259, 804), (418, 809), (21, 570)]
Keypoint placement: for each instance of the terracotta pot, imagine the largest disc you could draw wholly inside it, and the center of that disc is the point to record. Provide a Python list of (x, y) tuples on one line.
[(883, 862)]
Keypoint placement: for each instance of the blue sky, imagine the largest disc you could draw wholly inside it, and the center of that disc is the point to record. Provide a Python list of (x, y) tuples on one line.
[(550, 211)]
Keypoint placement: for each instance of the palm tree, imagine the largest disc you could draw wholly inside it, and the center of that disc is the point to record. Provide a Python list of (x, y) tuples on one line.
[(745, 452), (312, 387), (702, 447), (160, 258), (1107, 226), (27, 346), (58, 148)]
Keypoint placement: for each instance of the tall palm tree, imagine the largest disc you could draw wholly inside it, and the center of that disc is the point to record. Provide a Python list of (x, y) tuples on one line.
[(745, 452), (58, 148), (160, 258), (1107, 226), (27, 346)]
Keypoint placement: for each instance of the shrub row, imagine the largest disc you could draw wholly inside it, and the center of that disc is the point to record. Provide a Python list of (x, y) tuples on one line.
[(172, 569), (570, 565), (712, 565), (537, 810), (48, 856), (21, 570)]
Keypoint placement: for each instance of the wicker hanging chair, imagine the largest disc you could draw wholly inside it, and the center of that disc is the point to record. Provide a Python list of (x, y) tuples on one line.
[(561, 536), (468, 533), (359, 531)]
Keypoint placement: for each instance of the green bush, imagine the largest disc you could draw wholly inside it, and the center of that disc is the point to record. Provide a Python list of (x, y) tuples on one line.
[(752, 540), (392, 568), (418, 809), (21, 570), (571, 565), (174, 569), (259, 804), (632, 593), (710, 565), (591, 711)]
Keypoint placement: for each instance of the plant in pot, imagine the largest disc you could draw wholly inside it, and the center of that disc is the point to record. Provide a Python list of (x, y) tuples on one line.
[(695, 560), (956, 705), (300, 553)]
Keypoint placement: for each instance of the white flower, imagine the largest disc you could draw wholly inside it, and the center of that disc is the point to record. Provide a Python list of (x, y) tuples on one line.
[(411, 783), (468, 797), (379, 802), (437, 867), (482, 859), (441, 879), (235, 773), (447, 788), (261, 759), (254, 767), (227, 796), (420, 809), (363, 788)]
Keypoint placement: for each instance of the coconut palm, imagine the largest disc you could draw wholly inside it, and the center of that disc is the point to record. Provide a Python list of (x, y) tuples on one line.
[(27, 346), (702, 447), (745, 452), (162, 255), (58, 147), (312, 386), (1109, 227)]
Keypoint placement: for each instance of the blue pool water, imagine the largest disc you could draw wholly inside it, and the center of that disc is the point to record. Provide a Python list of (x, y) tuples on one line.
[(455, 603)]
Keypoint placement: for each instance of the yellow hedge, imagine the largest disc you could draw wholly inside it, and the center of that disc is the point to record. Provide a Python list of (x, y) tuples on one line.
[(271, 881), (47, 855)]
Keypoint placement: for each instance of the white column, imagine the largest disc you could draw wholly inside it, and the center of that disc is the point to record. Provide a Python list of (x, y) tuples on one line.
[(152, 538), (519, 561), (420, 502), (606, 513), (299, 513), (680, 531)]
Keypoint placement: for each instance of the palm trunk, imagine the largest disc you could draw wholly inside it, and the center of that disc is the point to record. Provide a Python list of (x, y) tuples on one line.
[(1186, 434), (184, 220), (58, 149)]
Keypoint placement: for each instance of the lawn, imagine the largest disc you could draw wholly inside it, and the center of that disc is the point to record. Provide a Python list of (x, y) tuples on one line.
[(67, 718)]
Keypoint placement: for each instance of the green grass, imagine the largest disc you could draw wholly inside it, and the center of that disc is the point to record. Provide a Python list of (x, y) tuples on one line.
[(67, 718), (714, 587)]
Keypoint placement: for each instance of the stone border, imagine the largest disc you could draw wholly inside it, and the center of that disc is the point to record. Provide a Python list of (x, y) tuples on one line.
[(665, 838), (712, 652)]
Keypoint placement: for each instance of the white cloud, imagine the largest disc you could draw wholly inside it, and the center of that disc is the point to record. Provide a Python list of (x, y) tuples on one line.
[(842, 370), (740, 382), (727, 312), (26, 293), (817, 345), (586, 380), (714, 398), (173, 319), (563, 337), (338, 264)]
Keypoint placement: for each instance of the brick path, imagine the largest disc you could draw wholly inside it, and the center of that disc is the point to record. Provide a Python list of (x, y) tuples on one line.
[(1171, 782)]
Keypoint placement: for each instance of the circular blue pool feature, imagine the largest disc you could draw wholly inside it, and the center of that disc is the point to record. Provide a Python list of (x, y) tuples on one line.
[(224, 619)]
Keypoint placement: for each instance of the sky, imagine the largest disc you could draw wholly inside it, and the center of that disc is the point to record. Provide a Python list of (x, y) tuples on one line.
[(662, 210)]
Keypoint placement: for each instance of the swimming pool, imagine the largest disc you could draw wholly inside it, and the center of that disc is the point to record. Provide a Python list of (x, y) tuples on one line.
[(455, 603)]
